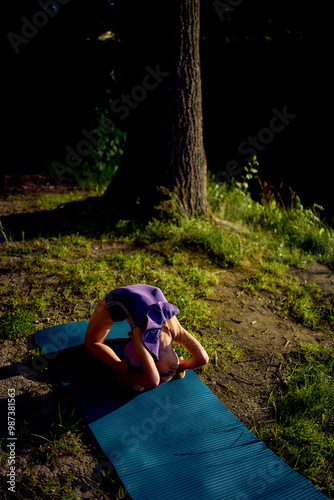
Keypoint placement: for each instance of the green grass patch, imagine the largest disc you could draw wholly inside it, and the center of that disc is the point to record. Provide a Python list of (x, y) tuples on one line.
[(199, 235), (301, 431), (291, 227), (61, 272), (18, 323)]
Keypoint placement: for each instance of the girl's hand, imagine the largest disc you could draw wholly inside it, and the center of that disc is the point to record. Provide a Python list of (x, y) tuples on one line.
[(181, 371), (123, 366), (126, 379), (181, 368), (124, 373)]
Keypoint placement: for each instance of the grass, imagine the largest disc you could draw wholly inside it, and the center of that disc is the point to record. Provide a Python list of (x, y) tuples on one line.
[(197, 234), (46, 201), (63, 268), (303, 424), (61, 279), (18, 323), (293, 228), (59, 484)]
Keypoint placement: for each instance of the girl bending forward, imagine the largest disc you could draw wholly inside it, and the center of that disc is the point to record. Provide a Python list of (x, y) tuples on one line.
[(154, 328)]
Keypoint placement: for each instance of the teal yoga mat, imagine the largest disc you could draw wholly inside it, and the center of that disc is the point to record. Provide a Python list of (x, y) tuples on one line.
[(177, 441)]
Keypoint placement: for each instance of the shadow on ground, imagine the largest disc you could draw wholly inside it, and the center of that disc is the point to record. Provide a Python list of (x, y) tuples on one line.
[(90, 216)]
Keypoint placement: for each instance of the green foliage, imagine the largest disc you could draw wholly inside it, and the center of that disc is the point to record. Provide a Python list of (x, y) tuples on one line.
[(250, 172), (99, 169), (292, 226)]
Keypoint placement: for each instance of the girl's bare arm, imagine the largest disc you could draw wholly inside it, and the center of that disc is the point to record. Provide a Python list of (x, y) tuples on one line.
[(97, 330), (151, 376), (199, 356)]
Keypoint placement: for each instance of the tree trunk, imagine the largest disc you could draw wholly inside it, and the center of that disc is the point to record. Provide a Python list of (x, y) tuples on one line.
[(162, 112)]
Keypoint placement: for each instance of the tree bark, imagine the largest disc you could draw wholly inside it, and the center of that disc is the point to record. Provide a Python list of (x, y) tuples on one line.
[(164, 150)]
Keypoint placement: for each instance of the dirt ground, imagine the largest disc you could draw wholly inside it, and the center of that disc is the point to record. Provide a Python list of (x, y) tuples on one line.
[(262, 341), (267, 340)]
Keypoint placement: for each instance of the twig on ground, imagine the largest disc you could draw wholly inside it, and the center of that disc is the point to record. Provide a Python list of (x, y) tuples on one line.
[(243, 380), (270, 363)]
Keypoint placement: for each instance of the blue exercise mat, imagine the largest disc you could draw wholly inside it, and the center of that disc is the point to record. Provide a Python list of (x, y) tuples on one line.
[(177, 441)]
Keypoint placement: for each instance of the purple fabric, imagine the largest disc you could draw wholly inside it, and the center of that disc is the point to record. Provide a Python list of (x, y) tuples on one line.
[(146, 307), (133, 302), (157, 316)]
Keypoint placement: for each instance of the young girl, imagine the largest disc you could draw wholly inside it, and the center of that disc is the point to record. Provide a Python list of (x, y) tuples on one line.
[(154, 327)]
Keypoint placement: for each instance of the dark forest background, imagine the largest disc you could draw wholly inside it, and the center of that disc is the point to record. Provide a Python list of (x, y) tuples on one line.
[(261, 55)]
